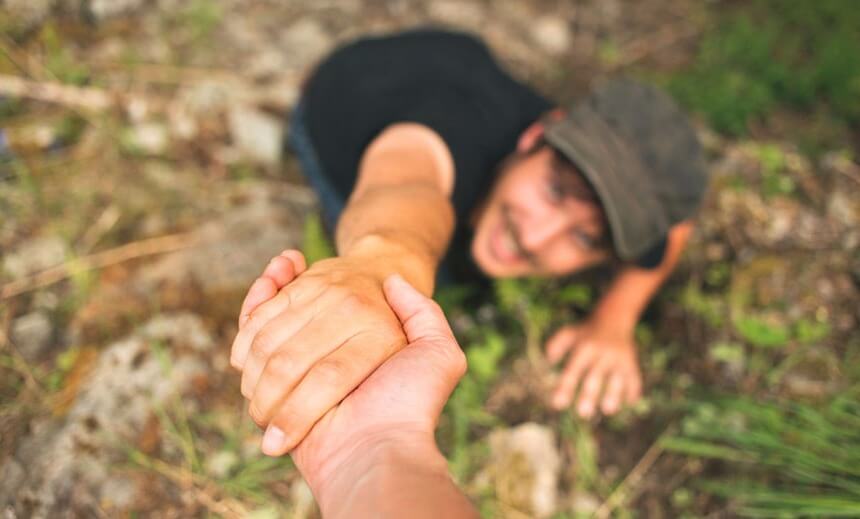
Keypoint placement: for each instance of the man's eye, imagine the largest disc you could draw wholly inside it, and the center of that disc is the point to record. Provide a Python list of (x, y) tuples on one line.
[(556, 194), (583, 240)]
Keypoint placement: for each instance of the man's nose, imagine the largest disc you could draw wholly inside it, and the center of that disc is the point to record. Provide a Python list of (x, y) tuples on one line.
[(538, 234)]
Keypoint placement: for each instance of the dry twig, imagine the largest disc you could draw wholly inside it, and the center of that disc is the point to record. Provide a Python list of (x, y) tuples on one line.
[(85, 98), (129, 251), (627, 487), (203, 490)]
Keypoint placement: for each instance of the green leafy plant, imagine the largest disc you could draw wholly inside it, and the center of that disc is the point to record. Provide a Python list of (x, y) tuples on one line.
[(775, 54)]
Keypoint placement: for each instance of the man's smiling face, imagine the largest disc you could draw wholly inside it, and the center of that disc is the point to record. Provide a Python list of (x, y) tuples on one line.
[(541, 218)]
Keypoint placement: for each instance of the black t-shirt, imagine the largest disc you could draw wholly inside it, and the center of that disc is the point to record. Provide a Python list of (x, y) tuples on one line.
[(445, 80)]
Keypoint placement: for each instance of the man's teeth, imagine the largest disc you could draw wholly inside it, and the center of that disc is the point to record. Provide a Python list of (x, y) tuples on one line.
[(509, 243)]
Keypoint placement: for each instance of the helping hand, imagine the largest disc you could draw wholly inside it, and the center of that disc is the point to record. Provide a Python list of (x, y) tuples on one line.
[(602, 363), (399, 403), (303, 350)]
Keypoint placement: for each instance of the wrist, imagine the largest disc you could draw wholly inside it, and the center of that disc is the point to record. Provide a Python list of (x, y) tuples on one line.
[(621, 318), (382, 256), (370, 464)]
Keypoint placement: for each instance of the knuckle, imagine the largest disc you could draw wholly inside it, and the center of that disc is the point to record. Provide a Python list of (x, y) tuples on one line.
[(331, 371), (256, 414), (263, 343), (281, 366)]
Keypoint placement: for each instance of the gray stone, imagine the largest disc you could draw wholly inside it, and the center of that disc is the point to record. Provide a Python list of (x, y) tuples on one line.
[(31, 334), (150, 138), (257, 135), (552, 34), (527, 455), (28, 13), (35, 255), (104, 9), (68, 468), (221, 464), (304, 42), (234, 249)]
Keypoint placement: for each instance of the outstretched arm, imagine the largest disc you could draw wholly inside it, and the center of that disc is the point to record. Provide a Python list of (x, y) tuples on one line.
[(399, 215), (302, 351)]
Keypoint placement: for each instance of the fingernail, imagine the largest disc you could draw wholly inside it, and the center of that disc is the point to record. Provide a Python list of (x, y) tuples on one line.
[(585, 411), (273, 441)]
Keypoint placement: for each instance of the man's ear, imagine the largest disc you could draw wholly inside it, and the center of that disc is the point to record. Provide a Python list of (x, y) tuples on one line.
[(532, 135)]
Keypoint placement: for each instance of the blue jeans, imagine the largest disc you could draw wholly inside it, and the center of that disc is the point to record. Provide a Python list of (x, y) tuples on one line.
[(299, 140)]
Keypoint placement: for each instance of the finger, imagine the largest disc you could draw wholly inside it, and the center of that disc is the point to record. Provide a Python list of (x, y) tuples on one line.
[(614, 393), (590, 391), (576, 366), (280, 270), (329, 382), (255, 322), (261, 291), (283, 353), (300, 338), (297, 258), (560, 343), (420, 316), (634, 388)]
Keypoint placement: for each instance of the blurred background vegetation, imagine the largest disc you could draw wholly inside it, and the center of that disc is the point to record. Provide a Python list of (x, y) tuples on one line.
[(138, 201)]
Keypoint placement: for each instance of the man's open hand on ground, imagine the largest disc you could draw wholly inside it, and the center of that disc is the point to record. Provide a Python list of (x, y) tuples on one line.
[(601, 363), (315, 340)]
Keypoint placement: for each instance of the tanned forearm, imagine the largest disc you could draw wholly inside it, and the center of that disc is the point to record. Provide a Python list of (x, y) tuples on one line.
[(399, 216), (633, 287)]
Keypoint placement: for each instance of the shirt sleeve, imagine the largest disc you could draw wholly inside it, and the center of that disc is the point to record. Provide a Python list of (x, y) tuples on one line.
[(654, 256)]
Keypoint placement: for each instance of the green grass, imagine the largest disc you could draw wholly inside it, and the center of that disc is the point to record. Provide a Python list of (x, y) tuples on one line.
[(316, 244), (782, 458), (775, 54)]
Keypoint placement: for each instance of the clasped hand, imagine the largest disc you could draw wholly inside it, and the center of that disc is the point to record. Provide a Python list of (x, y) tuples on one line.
[(307, 338)]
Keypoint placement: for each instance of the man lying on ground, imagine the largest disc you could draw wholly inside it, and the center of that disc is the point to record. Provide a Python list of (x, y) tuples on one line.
[(430, 161)]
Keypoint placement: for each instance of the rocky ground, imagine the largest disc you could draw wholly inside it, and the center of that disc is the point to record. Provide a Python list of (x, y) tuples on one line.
[(143, 186)]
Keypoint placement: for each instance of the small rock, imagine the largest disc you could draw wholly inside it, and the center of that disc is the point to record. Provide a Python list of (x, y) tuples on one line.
[(458, 12), (205, 97), (526, 456), (584, 503), (149, 138), (221, 464), (304, 42), (71, 458), (301, 498), (119, 493), (551, 33), (844, 208), (32, 334), (28, 13), (35, 255), (257, 135), (104, 9)]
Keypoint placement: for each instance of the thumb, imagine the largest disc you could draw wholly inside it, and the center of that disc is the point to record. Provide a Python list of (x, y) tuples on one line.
[(420, 316)]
